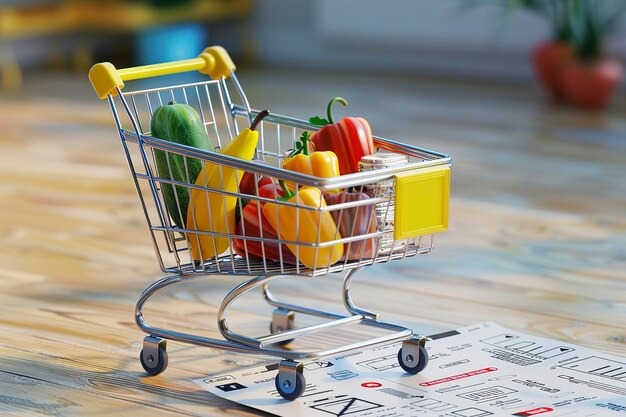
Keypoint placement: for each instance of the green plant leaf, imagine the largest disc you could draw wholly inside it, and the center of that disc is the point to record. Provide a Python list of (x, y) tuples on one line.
[(591, 24), (318, 121)]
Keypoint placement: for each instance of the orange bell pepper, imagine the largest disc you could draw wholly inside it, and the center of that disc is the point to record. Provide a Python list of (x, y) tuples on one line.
[(300, 224)]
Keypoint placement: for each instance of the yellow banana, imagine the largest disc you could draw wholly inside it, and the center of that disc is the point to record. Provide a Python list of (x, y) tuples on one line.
[(214, 211)]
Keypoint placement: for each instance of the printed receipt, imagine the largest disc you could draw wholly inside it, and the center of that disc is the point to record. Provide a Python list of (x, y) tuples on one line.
[(475, 371)]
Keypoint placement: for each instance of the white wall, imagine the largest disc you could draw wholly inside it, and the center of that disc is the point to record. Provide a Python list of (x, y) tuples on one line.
[(443, 37)]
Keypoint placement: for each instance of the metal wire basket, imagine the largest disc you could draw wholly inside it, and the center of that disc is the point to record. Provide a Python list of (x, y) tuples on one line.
[(402, 206)]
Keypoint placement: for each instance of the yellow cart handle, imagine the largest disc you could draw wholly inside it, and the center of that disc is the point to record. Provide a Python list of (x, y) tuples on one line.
[(213, 61)]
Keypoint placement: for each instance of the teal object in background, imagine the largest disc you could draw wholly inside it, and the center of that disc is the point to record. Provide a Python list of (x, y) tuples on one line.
[(170, 43)]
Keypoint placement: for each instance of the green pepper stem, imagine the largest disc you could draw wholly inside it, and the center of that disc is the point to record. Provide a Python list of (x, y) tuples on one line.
[(329, 112), (286, 191), (304, 138), (262, 114), (301, 146)]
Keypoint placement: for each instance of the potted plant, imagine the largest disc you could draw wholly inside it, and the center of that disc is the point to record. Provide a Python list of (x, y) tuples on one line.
[(572, 66), (550, 56), (589, 80)]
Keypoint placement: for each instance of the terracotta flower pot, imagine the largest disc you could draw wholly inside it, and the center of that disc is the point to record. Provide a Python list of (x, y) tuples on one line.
[(590, 85), (549, 58)]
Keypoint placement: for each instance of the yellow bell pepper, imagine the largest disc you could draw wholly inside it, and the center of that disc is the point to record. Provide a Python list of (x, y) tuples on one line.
[(300, 224), (318, 164)]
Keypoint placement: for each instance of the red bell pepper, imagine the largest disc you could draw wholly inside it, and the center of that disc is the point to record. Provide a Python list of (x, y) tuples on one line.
[(354, 221), (248, 180), (350, 139), (252, 223)]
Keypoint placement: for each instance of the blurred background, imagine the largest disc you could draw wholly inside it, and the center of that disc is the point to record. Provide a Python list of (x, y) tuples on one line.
[(457, 39)]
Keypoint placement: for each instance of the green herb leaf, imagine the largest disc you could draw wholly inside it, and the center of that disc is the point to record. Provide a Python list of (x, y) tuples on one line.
[(318, 121)]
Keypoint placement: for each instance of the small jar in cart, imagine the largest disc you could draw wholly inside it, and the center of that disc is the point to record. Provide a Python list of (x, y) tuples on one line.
[(384, 189)]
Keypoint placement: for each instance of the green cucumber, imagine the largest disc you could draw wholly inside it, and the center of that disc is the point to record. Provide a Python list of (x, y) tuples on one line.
[(181, 124)]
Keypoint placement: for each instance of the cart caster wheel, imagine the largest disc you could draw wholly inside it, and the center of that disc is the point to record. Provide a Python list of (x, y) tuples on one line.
[(282, 320), (153, 356), (408, 362), (152, 367), (282, 342), (290, 385)]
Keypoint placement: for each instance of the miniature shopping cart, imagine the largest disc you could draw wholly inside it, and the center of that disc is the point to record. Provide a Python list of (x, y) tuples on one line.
[(408, 200)]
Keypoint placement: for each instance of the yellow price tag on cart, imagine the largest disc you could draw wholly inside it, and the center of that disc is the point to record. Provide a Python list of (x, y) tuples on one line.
[(421, 202)]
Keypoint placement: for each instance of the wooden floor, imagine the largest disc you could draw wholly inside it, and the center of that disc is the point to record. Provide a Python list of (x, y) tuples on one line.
[(537, 239)]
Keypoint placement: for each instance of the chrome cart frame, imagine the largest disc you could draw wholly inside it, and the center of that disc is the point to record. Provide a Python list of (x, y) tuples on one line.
[(222, 120)]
